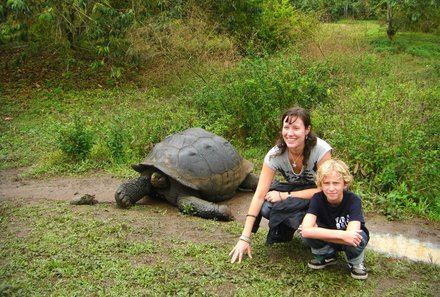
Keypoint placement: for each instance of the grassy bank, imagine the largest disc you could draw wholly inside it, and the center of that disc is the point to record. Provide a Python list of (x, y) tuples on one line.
[(54, 248)]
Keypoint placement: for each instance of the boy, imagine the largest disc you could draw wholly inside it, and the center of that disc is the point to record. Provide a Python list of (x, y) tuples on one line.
[(334, 221)]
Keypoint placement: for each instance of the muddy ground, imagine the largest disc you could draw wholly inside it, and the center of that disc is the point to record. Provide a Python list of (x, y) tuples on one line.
[(103, 186)]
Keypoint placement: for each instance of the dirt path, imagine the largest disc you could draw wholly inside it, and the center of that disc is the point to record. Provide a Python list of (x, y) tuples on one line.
[(103, 186)]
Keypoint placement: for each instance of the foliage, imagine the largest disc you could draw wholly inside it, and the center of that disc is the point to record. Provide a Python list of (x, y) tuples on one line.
[(257, 92), (187, 209), (114, 35), (93, 28), (116, 138), (387, 126), (76, 139), (411, 15), (263, 26), (334, 10)]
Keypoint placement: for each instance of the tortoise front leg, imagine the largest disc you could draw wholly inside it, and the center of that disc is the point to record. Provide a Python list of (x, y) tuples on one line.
[(250, 182), (204, 209), (132, 191)]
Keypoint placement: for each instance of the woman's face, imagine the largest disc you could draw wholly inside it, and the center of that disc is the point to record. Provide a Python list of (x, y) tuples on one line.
[(294, 132)]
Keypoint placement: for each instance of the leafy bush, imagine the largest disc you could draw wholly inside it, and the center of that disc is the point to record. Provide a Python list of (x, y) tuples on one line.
[(421, 16), (264, 25), (116, 140), (391, 132), (247, 102), (91, 29), (76, 139)]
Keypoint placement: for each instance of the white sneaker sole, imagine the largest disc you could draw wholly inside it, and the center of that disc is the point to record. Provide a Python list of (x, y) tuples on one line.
[(355, 276)]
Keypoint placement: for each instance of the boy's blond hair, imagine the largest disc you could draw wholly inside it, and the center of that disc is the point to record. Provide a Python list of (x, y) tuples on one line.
[(337, 166)]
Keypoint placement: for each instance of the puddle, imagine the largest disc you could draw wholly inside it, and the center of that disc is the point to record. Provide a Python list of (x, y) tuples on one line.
[(402, 247)]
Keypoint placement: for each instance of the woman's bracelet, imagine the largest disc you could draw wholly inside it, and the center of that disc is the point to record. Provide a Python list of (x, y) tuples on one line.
[(245, 238), (279, 194), (251, 215)]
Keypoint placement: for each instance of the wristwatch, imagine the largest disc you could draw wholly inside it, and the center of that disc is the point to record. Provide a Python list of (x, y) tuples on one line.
[(289, 195)]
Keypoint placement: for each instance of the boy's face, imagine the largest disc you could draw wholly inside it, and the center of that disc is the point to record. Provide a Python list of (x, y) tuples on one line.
[(333, 187)]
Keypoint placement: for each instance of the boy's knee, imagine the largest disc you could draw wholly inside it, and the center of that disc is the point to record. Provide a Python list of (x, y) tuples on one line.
[(314, 243)]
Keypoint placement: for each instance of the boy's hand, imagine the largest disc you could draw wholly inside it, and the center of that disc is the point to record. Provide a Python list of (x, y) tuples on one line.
[(352, 238)]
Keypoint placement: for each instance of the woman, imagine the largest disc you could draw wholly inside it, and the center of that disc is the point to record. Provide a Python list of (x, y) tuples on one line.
[(297, 155)]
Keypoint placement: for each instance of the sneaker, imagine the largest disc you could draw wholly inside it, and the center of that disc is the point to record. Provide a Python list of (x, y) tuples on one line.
[(320, 262), (358, 271)]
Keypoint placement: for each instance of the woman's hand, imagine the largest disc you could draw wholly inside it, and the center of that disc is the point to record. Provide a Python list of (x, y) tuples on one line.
[(238, 251), (273, 196)]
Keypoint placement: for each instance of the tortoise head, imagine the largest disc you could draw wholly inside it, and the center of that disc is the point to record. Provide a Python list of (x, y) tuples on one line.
[(159, 180)]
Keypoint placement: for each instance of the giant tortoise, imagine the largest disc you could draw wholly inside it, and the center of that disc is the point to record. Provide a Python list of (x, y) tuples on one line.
[(192, 169)]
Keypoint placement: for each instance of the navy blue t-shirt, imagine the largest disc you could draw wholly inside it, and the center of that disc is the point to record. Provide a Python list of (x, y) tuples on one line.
[(338, 217)]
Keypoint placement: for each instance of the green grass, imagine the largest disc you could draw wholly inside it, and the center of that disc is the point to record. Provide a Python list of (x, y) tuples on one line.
[(31, 136), (416, 44), (54, 248)]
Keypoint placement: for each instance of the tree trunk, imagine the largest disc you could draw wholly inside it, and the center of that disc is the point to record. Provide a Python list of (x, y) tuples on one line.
[(391, 31)]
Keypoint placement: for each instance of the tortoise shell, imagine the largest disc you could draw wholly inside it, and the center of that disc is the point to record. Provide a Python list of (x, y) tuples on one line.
[(200, 160)]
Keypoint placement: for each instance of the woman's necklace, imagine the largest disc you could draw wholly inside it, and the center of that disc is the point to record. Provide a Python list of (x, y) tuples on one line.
[(294, 161)]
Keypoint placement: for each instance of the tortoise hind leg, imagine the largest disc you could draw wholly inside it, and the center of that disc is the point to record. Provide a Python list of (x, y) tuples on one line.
[(132, 191), (204, 209)]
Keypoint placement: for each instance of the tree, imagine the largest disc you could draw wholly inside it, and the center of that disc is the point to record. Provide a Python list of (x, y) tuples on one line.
[(391, 31), (86, 24)]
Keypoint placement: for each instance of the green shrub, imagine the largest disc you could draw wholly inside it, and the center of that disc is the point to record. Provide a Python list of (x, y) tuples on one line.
[(115, 140), (76, 139), (265, 26), (247, 102), (390, 130)]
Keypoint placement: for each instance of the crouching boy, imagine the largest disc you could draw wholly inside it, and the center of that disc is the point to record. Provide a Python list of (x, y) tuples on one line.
[(334, 221)]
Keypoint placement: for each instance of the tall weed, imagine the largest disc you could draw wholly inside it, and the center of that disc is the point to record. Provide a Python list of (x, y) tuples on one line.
[(181, 42), (116, 140), (76, 139)]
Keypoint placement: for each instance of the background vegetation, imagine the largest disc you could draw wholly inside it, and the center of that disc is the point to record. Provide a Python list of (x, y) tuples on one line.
[(90, 85)]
